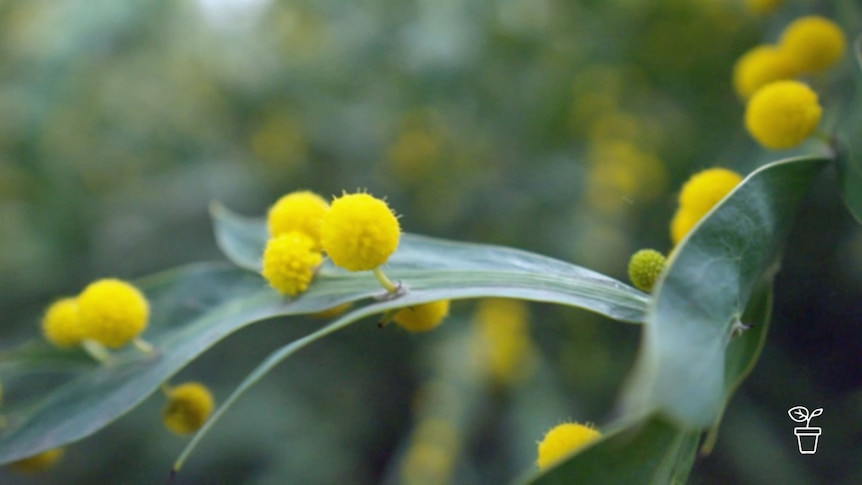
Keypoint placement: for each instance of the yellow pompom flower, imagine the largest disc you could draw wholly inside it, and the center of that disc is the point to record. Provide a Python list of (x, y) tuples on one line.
[(682, 222), (61, 325), (816, 43), (188, 408), (298, 211), (289, 262), (424, 317), (645, 266), (698, 196), (112, 312), (563, 440), (762, 7), (360, 232), (706, 188), (782, 114), (761, 66), (39, 462)]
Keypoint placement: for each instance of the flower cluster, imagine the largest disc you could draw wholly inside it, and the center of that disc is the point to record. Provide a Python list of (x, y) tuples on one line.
[(358, 232), (808, 45), (782, 112), (293, 251), (108, 312)]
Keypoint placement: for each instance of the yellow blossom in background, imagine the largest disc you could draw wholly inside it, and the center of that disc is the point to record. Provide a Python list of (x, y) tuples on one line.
[(698, 196), (415, 154), (290, 261), (816, 43), (188, 408), (61, 324), (704, 189), (620, 173), (112, 312), (760, 66), (504, 334), (360, 232), (427, 463), (39, 462), (301, 32), (762, 7), (423, 317), (782, 114), (431, 457), (279, 142), (596, 90), (301, 211), (619, 126), (563, 440), (436, 430)]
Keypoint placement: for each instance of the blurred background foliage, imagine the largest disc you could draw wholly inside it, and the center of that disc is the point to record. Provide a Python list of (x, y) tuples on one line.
[(561, 127)]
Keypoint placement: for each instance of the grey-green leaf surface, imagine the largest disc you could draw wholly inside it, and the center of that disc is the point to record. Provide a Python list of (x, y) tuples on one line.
[(743, 352), (710, 278), (467, 269), (195, 307)]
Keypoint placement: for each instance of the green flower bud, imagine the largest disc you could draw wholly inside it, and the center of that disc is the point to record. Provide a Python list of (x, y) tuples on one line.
[(645, 266)]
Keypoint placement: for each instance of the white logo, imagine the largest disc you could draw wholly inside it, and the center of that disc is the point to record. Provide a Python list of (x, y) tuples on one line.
[(806, 436)]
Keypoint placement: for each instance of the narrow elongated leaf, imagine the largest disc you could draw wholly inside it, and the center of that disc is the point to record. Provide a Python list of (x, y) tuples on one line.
[(709, 280), (424, 262), (195, 307)]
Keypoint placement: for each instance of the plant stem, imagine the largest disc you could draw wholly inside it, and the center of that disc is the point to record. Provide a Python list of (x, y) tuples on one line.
[(384, 281), (96, 350), (143, 345)]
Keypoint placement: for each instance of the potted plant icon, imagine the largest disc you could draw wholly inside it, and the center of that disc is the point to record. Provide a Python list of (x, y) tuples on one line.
[(806, 436)]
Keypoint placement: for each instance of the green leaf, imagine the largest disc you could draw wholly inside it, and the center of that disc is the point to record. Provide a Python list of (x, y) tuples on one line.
[(651, 452), (661, 452), (710, 278), (849, 147), (193, 308), (743, 352), (850, 179), (849, 160)]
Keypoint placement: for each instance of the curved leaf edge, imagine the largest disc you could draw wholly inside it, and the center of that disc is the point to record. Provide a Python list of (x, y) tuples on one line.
[(645, 372)]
